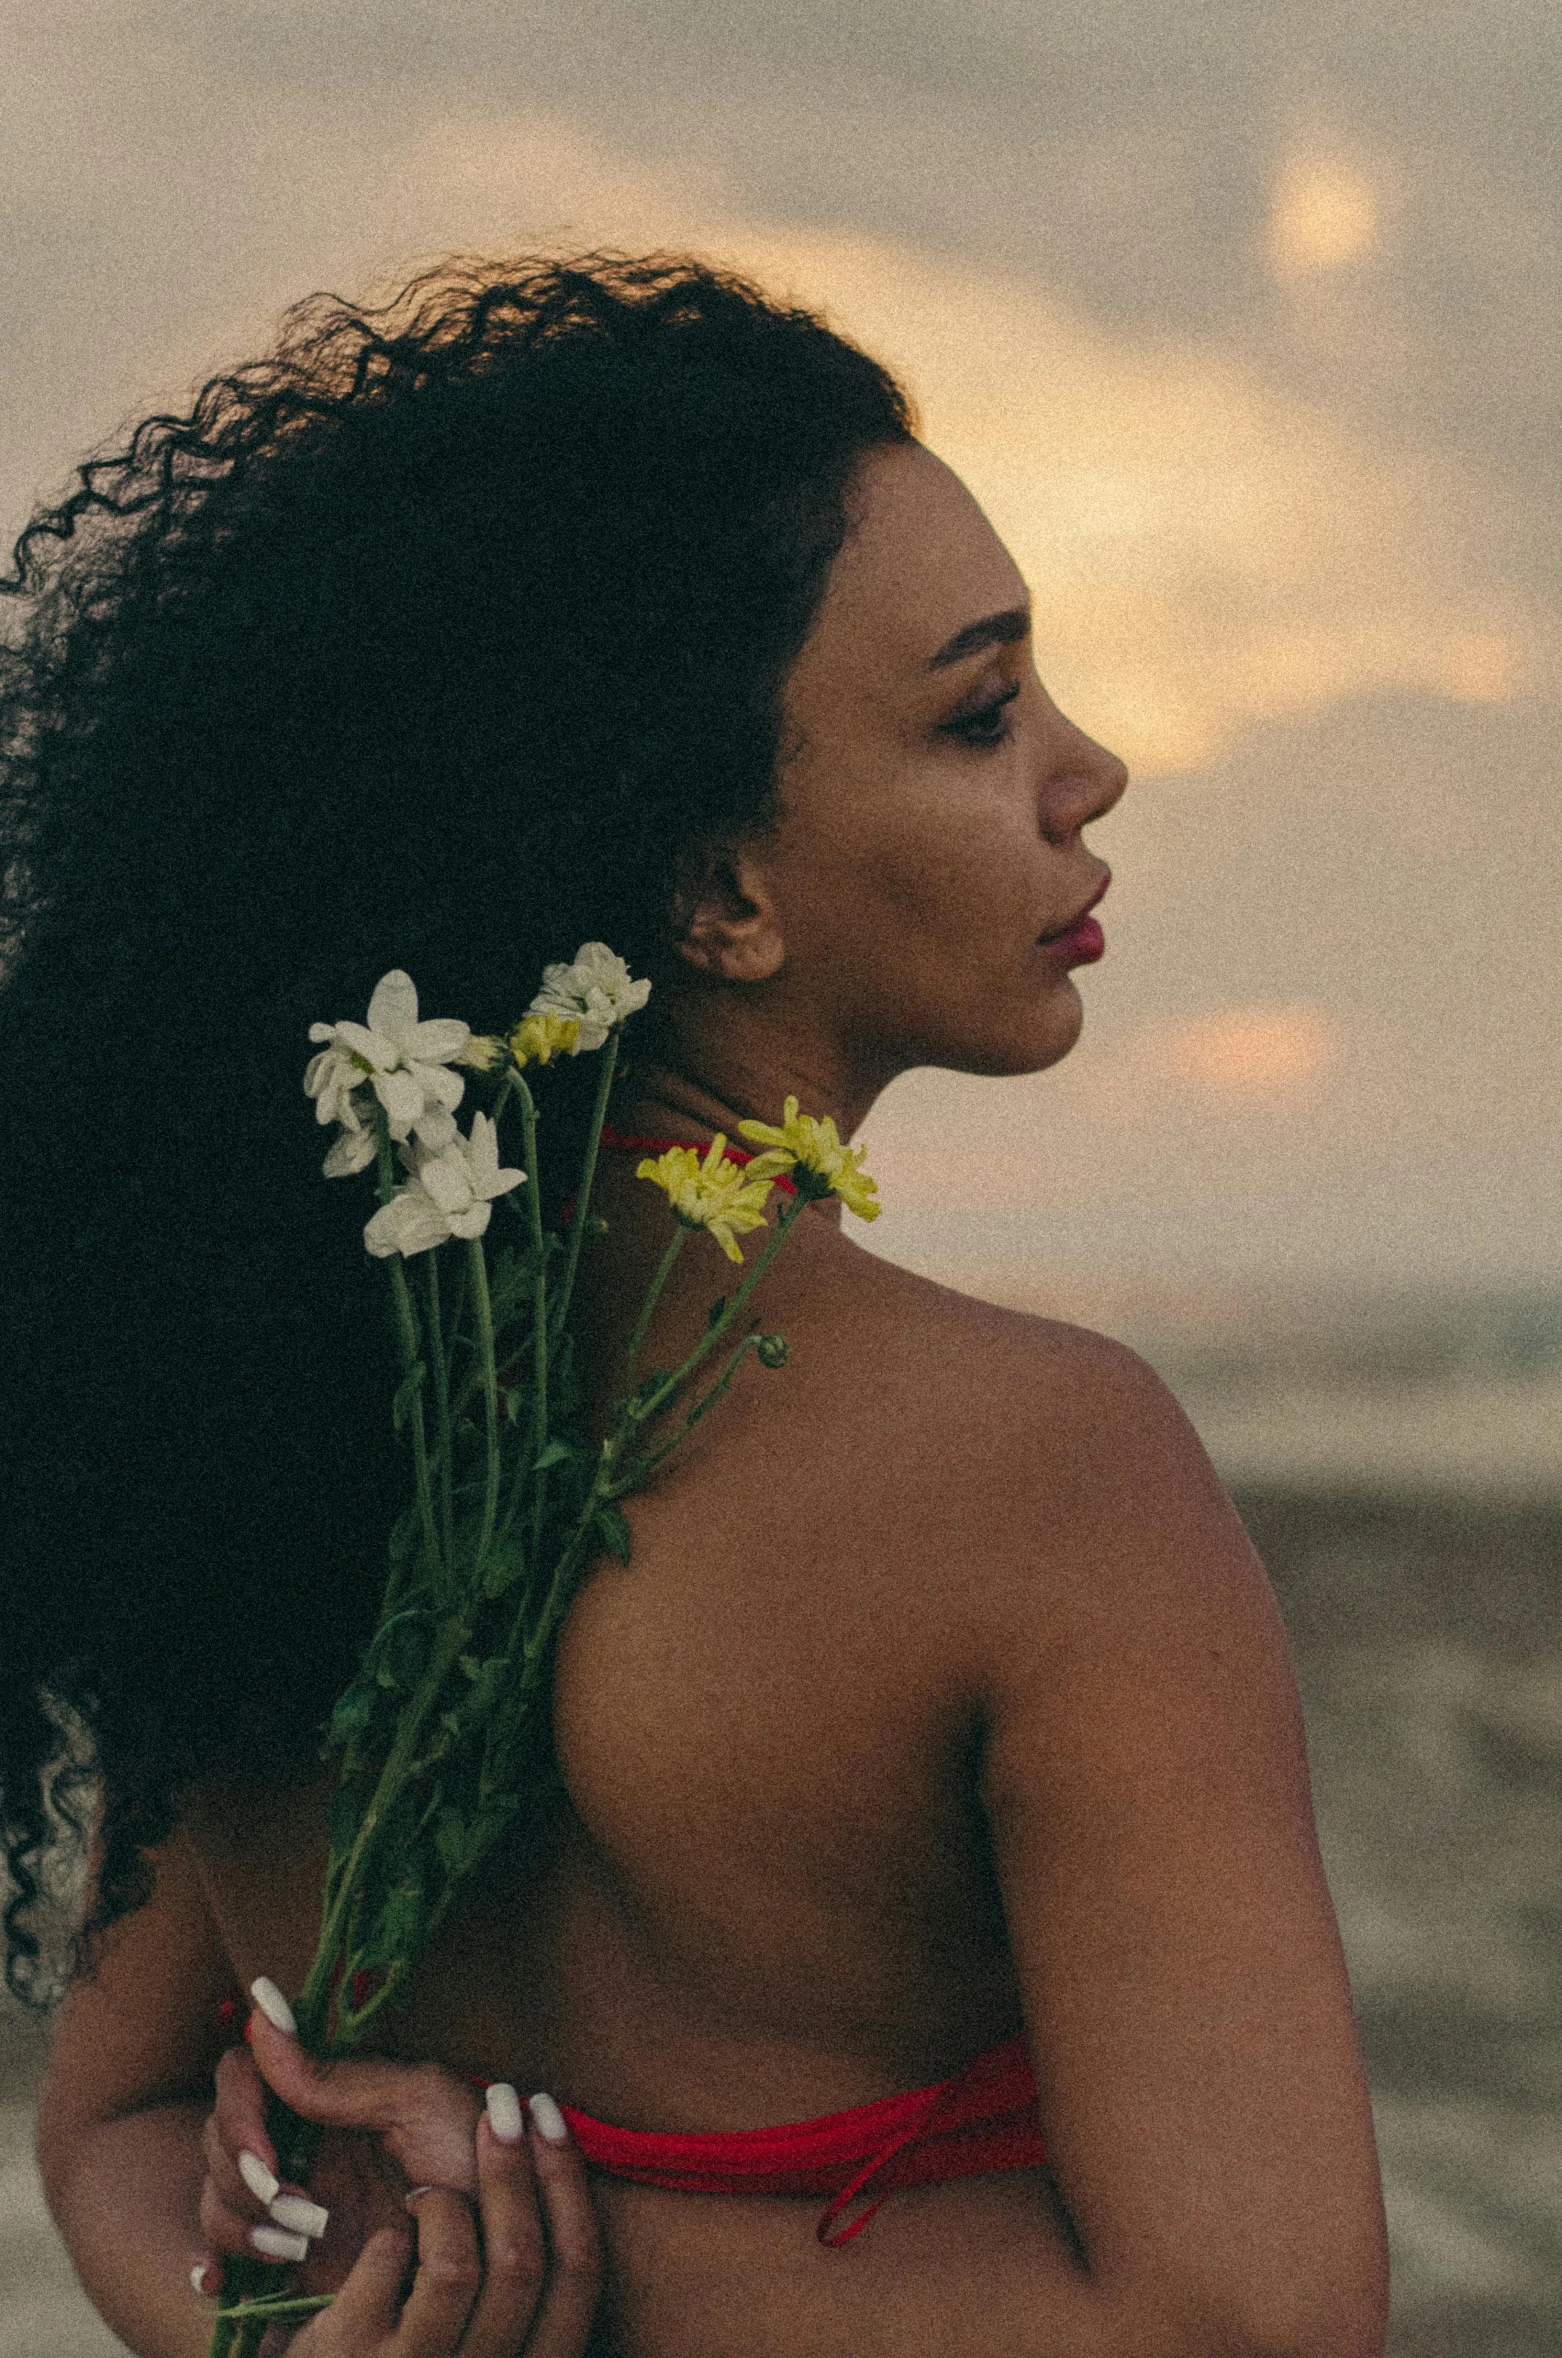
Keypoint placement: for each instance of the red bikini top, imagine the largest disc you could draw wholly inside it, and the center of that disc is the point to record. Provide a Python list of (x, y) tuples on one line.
[(629, 1142)]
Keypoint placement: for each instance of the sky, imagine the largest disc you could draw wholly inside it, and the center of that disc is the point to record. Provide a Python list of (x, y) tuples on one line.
[(1239, 317)]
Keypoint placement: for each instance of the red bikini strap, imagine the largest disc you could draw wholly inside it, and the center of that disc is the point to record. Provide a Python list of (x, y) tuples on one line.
[(630, 1142)]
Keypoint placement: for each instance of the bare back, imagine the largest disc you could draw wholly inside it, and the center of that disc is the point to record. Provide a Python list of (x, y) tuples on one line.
[(772, 1894), (798, 1868)]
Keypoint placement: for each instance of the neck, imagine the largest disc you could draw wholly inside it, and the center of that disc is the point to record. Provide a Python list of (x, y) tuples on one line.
[(709, 1078)]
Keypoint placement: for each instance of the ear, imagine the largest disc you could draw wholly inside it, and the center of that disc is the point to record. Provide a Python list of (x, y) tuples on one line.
[(725, 916)]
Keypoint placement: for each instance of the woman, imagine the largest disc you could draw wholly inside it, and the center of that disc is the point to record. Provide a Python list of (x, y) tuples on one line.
[(943, 1700)]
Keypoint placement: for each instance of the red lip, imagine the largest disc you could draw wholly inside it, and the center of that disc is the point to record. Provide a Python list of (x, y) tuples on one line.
[(1080, 942)]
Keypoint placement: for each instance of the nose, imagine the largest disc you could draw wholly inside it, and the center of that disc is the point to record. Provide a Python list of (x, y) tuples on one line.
[(1081, 780)]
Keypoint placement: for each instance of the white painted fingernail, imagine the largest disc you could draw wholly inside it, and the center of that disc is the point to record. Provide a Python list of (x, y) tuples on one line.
[(198, 2276), (504, 2112), (550, 2121), (413, 2192), (300, 2215), (257, 2177), (274, 2244), (273, 2005)]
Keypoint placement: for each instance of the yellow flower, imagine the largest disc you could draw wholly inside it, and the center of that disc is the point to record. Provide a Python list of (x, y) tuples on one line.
[(714, 1194), (537, 1038), (820, 1165)]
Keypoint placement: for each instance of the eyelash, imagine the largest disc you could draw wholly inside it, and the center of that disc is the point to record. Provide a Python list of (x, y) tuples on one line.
[(985, 728)]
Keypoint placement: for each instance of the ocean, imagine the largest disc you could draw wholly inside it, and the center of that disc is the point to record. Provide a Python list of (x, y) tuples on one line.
[(1398, 1462)]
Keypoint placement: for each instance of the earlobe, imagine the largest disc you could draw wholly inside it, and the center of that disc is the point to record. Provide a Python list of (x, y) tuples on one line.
[(727, 924)]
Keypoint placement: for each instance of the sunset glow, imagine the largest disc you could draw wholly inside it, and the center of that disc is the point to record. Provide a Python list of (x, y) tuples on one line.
[(1250, 1051), (1323, 212)]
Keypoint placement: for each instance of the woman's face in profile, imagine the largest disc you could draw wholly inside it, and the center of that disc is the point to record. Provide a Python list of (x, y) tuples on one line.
[(932, 807)]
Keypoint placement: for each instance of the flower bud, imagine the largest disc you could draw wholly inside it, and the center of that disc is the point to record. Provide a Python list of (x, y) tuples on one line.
[(772, 1350), (481, 1053)]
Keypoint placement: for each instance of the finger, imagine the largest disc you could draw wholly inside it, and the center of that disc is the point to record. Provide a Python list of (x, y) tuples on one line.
[(206, 2275), (364, 2312), (240, 2193), (449, 2275), (248, 2190), (515, 2258), (574, 2282), (240, 2109), (424, 2113), (226, 2231)]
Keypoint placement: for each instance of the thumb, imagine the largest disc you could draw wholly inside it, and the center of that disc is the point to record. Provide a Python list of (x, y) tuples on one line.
[(426, 2117), (340, 2094)]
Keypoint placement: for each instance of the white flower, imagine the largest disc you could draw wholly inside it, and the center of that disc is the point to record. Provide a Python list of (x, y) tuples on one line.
[(353, 1150), (405, 1062), (450, 1193), (597, 990)]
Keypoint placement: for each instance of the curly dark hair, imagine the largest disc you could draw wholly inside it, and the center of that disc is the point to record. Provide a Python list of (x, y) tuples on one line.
[(439, 637)]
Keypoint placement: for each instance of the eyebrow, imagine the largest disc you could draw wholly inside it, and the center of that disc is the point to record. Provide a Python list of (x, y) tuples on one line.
[(994, 630)]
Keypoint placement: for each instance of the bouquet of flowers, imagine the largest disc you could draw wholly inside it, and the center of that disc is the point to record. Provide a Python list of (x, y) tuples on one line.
[(441, 1739)]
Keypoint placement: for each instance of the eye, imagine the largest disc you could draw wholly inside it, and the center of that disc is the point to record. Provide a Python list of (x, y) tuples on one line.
[(988, 724)]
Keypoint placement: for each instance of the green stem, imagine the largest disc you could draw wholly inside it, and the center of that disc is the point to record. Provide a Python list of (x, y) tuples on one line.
[(644, 1467), (407, 1327), (490, 1374), (587, 1178), (506, 1086), (664, 1270), (314, 2000), (576, 1549), (539, 1441), (352, 2025), (288, 2305), (642, 1412), (436, 1340)]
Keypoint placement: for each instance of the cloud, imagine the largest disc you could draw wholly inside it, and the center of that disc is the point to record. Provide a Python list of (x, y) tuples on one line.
[(1244, 534), (1323, 211), (1205, 551)]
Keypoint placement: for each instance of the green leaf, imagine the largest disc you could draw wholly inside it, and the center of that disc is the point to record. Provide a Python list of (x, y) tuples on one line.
[(344, 1817), (506, 1564), (353, 1711), (400, 1651), (716, 1310), (451, 1841), (405, 1533), (491, 1821), (488, 1686), (554, 1455), (397, 1928), (406, 1393), (613, 1530)]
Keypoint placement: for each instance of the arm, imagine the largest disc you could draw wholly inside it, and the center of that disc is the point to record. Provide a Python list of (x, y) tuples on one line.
[(1145, 1777), (121, 2110)]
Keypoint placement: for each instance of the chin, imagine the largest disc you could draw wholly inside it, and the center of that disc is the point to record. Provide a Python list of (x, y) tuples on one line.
[(1045, 1039), (1051, 1033)]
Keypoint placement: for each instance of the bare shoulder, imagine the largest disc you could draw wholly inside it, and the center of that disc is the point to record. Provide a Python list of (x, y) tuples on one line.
[(1079, 1408), (1053, 1456)]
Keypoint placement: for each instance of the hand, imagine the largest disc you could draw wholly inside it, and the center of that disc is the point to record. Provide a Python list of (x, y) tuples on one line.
[(387, 2126), (515, 2290)]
